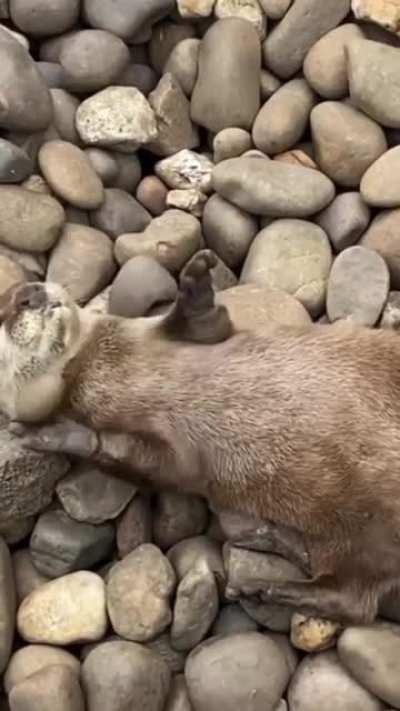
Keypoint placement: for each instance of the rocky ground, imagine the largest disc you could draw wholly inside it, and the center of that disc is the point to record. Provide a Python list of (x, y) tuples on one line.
[(132, 134)]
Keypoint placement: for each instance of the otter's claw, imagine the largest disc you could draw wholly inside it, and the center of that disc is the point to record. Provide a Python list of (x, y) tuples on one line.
[(65, 437)]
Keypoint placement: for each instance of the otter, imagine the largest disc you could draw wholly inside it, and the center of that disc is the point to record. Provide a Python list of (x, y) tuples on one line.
[(302, 430)]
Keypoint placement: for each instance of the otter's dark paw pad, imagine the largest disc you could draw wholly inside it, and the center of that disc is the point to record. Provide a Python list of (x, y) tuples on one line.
[(197, 268)]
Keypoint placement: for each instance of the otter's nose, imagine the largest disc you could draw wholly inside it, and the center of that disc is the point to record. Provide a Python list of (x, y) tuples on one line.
[(31, 296)]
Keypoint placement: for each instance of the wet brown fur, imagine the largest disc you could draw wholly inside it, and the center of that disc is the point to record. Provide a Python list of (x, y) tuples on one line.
[(303, 430)]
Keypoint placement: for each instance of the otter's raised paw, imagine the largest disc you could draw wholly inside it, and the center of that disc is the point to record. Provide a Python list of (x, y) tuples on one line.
[(63, 437), (195, 281)]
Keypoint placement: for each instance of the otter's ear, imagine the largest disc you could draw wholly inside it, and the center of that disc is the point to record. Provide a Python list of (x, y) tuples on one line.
[(6, 300)]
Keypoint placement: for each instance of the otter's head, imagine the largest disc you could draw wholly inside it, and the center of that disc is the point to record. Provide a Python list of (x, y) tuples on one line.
[(39, 321)]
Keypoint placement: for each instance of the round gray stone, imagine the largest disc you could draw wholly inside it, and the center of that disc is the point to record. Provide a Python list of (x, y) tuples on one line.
[(272, 188), (358, 286), (293, 256), (141, 284)]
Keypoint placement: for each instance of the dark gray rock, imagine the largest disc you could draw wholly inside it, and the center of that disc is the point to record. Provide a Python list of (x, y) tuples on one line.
[(15, 164), (227, 90), (140, 284), (120, 213), (27, 479), (60, 545), (93, 496)]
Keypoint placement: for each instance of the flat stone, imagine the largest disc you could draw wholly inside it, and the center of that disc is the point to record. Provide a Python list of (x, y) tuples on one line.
[(293, 256), (88, 494), (152, 194), (134, 527), (371, 655), (269, 84), (378, 188), (64, 110), (104, 164), (321, 682), (7, 605), (183, 62), (70, 175), (382, 237), (345, 220), (24, 96), (129, 172), (27, 478), (138, 592), (117, 117), (228, 230), (172, 112), (32, 658), (60, 545), (92, 60), (346, 142), (358, 286), (195, 551), (195, 609), (65, 611), (227, 90), (246, 568), (249, 10), (177, 517), (15, 164), (41, 18), (120, 213), (374, 80), (139, 285), (302, 26), (230, 143), (82, 261), (27, 577), (171, 239), (384, 13), (29, 221), (124, 18), (217, 678), (325, 66), (185, 170), (232, 619), (282, 120), (258, 308), (272, 188), (121, 675), (50, 688)]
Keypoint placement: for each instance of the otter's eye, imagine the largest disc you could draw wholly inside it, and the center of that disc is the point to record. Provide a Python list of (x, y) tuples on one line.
[(25, 302)]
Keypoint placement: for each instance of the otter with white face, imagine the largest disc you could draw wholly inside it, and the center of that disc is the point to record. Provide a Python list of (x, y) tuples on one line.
[(41, 329)]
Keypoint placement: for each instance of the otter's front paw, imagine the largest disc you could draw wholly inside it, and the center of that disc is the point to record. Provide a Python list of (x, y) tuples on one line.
[(64, 437)]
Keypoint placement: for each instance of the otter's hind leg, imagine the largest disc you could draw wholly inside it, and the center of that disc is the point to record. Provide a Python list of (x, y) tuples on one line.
[(195, 317)]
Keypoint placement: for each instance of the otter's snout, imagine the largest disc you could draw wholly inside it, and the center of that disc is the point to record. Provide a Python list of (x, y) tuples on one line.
[(31, 296)]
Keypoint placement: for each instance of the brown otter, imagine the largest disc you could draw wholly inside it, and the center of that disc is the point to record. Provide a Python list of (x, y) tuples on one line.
[(303, 430)]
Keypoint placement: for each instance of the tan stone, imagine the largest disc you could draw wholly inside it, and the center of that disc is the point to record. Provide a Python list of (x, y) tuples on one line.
[(385, 13), (70, 174), (312, 634)]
